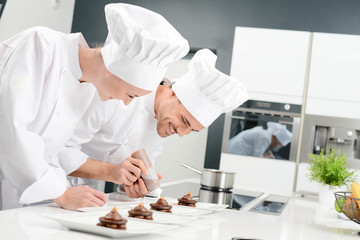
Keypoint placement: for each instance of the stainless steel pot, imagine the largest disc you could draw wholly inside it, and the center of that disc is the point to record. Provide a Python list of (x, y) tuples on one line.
[(215, 197), (213, 178)]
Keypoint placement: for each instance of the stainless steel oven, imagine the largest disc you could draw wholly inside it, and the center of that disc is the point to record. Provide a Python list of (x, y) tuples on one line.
[(325, 132)]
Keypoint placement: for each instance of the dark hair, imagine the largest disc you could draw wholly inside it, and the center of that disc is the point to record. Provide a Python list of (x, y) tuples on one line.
[(96, 44), (166, 81)]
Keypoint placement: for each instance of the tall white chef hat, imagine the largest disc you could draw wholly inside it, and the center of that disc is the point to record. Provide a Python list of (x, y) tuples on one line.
[(205, 91), (281, 132), (140, 45)]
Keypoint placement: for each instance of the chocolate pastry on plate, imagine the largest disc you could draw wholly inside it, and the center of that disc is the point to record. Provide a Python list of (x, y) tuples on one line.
[(186, 200), (161, 205), (141, 212), (113, 220)]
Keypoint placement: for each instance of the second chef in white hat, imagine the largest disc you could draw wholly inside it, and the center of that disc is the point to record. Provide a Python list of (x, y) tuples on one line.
[(192, 103), (206, 92)]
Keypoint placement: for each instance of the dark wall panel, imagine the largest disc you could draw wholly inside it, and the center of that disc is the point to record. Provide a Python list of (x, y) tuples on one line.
[(211, 23)]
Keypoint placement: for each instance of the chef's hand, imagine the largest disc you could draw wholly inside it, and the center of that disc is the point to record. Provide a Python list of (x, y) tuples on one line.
[(159, 175), (269, 154), (128, 171), (136, 190), (81, 196)]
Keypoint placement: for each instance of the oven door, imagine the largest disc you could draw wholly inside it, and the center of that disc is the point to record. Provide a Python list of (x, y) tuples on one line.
[(247, 130)]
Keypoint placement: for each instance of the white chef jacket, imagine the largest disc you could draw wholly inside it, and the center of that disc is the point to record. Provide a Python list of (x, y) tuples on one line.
[(41, 101), (110, 132), (251, 142)]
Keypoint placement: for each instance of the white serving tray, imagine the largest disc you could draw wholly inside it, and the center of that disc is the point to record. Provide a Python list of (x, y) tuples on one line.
[(86, 222)]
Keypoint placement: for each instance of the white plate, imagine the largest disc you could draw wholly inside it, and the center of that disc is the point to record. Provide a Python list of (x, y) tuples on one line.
[(124, 199), (86, 222), (158, 217), (211, 206), (106, 207), (120, 204), (200, 205), (177, 210), (165, 218), (189, 211)]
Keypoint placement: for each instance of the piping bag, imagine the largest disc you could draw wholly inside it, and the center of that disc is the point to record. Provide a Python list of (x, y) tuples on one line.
[(151, 181)]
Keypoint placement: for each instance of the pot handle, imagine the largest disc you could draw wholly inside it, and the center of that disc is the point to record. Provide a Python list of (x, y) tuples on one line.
[(189, 167)]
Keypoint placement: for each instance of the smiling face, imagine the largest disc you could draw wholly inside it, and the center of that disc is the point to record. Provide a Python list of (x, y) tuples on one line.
[(172, 117), (112, 87)]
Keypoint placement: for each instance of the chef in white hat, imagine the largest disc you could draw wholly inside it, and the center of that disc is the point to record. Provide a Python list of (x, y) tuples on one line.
[(191, 104), (47, 81), (140, 45), (281, 133), (259, 141)]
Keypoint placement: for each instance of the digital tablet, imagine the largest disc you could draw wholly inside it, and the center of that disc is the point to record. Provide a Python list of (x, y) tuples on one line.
[(241, 198), (273, 204)]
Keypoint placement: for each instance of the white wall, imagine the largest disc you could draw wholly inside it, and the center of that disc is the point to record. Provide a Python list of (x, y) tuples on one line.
[(19, 15), (189, 149)]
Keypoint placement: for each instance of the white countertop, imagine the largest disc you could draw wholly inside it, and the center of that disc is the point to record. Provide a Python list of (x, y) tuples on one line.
[(301, 220)]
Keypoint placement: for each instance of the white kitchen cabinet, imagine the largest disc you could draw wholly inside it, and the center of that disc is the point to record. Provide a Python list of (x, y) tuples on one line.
[(271, 63), (334, 79), (260, 174)]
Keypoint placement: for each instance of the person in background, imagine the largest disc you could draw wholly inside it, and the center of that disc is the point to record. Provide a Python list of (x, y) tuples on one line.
[(98, 148), (47, 81), (259, 141)]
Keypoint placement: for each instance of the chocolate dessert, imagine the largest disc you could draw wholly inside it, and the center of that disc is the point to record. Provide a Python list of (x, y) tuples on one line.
[(113, 220), (186, 200), (161, 205), (141, 212)]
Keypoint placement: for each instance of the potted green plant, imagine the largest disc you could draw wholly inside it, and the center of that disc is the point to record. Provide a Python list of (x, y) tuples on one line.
[(331, 171)]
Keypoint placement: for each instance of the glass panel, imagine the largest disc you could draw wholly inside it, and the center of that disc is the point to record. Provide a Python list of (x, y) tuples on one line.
[(258, 136), (262, 129), (273, 204)]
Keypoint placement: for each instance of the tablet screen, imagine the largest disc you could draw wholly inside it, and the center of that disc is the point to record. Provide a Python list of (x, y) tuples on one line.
[(238, 201), (241, 197), (271, 205)]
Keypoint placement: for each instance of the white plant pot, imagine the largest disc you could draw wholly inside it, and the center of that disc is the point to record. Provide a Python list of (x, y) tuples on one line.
[(327, 196)]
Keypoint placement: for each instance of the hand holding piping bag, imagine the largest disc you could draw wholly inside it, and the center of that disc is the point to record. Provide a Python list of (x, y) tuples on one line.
[(129, 171), (151, 181)]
